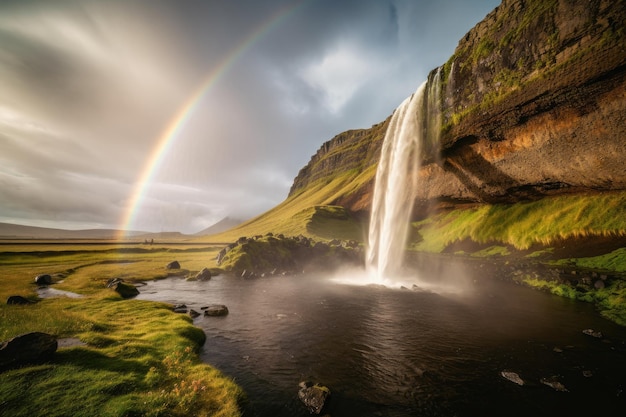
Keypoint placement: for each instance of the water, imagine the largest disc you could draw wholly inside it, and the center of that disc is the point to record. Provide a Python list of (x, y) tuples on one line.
[(391, 352), (414, 129)]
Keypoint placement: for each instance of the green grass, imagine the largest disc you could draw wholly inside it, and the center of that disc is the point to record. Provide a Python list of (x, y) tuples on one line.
[(610, 300), (140, 358), (614, 261), (524, 224), (304, 214)]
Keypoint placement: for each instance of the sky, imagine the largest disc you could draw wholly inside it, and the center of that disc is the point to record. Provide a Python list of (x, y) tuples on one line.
[(163, 115)]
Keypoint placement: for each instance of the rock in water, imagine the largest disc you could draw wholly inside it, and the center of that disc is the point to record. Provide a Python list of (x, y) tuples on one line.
[(593, 333), (314, 396), (125, 290), (204, 275), (27, 348), (553, 382), (215, 310), (513, 377)]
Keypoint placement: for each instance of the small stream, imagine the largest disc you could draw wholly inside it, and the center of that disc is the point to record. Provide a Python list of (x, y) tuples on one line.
[(398, 352)]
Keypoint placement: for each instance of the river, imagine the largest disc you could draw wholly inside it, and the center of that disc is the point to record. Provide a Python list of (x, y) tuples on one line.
[(399, 352)]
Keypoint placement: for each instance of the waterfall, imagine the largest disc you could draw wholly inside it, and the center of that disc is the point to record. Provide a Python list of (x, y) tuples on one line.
[(414, 128)]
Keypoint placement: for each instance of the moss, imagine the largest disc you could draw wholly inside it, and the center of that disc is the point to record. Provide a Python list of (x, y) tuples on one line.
[(526, 223), (610, 300)]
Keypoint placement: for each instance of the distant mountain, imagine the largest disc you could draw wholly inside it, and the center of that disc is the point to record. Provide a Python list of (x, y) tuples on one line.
[(221, 226), (17, 231)]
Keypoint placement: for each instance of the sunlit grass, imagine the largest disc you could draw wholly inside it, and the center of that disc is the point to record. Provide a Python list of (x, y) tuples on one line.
[(139, 358), (524, 224), (614, 261)]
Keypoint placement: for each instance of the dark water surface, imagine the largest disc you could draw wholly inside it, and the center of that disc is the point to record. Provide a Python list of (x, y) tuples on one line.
[(393, 352)]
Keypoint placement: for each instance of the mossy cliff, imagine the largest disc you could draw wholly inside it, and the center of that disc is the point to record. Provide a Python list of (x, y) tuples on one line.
[(533, 105)]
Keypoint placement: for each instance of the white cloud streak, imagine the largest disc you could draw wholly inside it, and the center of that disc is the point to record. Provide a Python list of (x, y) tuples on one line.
[(89, 87)]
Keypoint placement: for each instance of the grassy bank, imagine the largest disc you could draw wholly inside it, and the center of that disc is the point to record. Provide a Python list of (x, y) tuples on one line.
[(135, 358), (525, 224), (566, 233)]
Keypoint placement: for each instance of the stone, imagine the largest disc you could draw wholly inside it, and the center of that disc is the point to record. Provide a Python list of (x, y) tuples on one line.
[(593, 333), (215, 310), (513, 377), (125, 290), (554, 383), (18, 299), (313, 396), (204, 275), (193, 313), (173, 265), (27, 348), (598, 285), (180, 308), (43, 279)]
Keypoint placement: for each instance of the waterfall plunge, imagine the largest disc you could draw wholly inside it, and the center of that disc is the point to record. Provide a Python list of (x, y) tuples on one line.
[(415, 123)]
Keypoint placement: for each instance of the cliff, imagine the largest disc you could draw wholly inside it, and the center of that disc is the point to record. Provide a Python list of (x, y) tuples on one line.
[(533, 104)]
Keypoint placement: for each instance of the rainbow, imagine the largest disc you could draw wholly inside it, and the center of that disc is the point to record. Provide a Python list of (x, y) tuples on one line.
[(186, 111)]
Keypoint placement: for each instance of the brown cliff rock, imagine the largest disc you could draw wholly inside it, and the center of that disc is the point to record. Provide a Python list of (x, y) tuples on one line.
[(534, 104)]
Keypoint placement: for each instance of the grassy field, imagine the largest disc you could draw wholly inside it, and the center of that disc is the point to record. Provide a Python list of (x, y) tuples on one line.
[(136, 358)]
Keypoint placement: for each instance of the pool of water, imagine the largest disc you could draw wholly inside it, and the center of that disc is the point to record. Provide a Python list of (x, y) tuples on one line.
[(397, 352)]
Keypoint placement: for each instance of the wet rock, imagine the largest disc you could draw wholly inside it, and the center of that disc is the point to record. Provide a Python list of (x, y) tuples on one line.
[(18, 299), (193, 313), (313, 396), (27, 348), (173, 265), (204, 275), (113, 282), (43, 279), (180, 308), (215, 310), (587, 373), (554, 383), (125, 290), (593, 333), (513, 377)]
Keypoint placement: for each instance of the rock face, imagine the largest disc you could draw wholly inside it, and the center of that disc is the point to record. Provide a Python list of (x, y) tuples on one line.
[(27, 348), (533, 103)]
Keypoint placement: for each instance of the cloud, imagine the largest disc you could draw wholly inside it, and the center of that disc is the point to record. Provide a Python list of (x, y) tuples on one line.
[(89, 88)]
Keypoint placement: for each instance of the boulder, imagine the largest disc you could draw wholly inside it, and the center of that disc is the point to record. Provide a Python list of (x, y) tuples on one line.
[(125, 290), (18, 299), (43, 279), (173, 265), (313, 396), (193, 313), (215, 310), (27, 348), (204, 275)]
